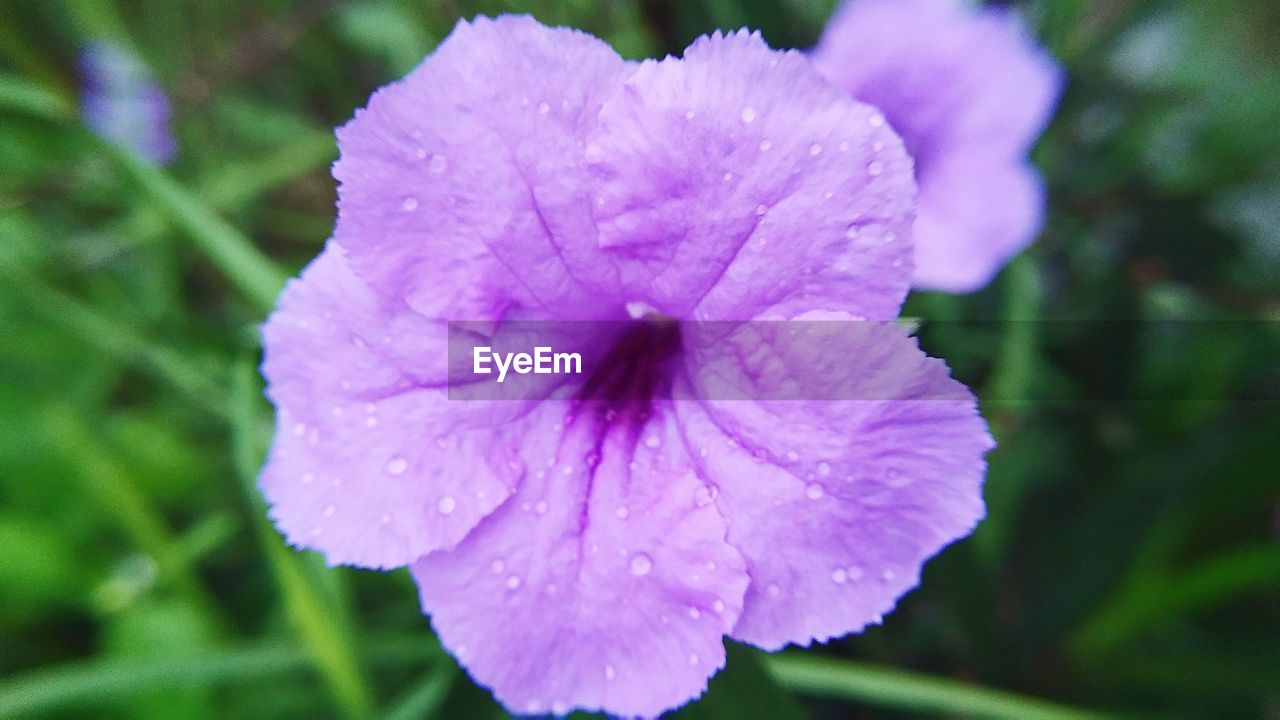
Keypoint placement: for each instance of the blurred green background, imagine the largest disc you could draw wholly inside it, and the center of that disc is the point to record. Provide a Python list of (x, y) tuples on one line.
[(1129, 565)]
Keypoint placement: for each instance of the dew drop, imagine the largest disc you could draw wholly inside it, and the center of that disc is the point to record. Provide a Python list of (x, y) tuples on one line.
[(541, 507), (774, 590), (761, 210), (824, 469), (874, 168), (748, 114), (329, 511), (888, 575), (855, 573), (765, 145), (852, 232), (299, 430), (688, 114), (815, 150), (421, 153), (641, 564), (397, 465), (308, 478), (844, 146), (814, 491), (652, 441), (446, 505), (622, 513), (409, 204), (544, 108), (559, 707), (711, 564), (839, 576), (695, 613), (728, 177), (497, 566), (792, 455), (385, 519), (875, 120), (718, 606), (513, 582), (610, 672)]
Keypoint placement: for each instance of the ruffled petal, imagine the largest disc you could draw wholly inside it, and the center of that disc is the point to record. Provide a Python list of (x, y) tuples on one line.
[(371, 464), (461, 185), (837, 500), (736, 180), (604, 584)]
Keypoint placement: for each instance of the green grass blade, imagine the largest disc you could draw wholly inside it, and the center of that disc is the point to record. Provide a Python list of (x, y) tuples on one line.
[(425, 698), (226, 246), (320, 624), (95, 682), (884, 687)]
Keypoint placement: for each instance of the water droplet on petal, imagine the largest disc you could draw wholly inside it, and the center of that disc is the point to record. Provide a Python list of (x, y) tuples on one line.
[(409, 204), (792, 455), (544, 108), (513, 582), (299, 430), (888, 575), (397, 465), (765, 145), (815, 149), (497, 566), (855, 573), (748, 114), (308, 478), (874, 168), (421, 153), (705, 495), (541, 507), (727, 177), (824, 469), (446, 505), (641, 564), (329, 511), (610, 672), (621, 513), (839, 576), (693, 658), (695, 613), (814, 491), (385, 519), (761, 210), (875, 120), (718, 606), (844, 146), (652, 441), (774, 590)]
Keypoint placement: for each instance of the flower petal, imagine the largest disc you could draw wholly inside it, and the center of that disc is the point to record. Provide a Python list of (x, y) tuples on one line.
[(836, 503), (461, 185), (969, 91), (736, 180), (369, 466), (604, 583), (965, 237)]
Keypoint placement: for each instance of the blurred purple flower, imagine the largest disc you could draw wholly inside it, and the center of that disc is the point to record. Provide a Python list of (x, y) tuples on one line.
[(122, 103), (969, 92), (593, 552)]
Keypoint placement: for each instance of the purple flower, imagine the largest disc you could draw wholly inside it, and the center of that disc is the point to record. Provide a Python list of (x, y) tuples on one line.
[(593, 551), (969, 92), (122, 103)]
